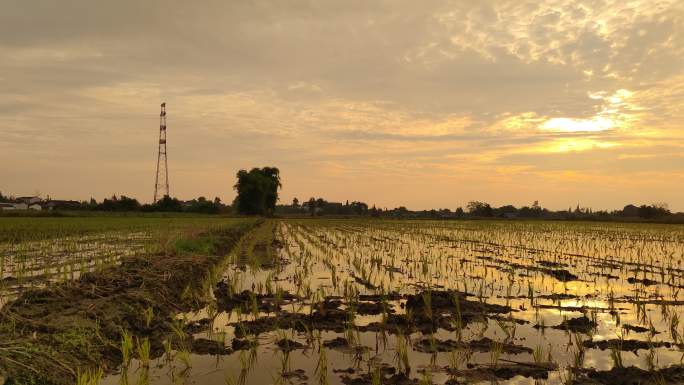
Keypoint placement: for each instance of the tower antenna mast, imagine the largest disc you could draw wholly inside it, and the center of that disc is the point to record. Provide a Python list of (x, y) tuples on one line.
[(161, 181)]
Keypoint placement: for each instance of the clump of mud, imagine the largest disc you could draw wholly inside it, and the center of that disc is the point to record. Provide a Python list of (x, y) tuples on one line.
[(578, 325), (627, 345), (506, 371), (631, 376), (205, 346), (246, 299), (287, 345), (482, 345)]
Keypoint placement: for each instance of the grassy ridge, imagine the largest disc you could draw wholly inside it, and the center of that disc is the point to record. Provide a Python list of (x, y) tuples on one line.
[(20, 229)]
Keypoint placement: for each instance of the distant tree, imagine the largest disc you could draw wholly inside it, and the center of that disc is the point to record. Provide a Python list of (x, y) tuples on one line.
[(480, 209), (311, 205), (204, 206), (257, 191), (167, 203), (400, 211), (128, 204), (655, 210), (505, 211), (123, 203), (629, 210), (374, 212), (295, 203), (358, 208)]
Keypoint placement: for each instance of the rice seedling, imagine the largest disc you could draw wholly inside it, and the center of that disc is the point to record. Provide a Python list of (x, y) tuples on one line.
[(579, 352), (126, 347), (402, 353), (89, 377), (495, 353), (142, 347), (616, 353), (183, 355), (149, 315), (376, 377), (322, 365), (426, 378), (168, 350)]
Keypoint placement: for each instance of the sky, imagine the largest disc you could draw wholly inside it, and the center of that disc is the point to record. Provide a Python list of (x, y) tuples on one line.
[(424, 104)]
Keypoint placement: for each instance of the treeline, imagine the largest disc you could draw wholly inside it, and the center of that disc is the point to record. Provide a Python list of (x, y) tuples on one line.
[(476, 209), (257, 194), (321, 207), (166, 204)]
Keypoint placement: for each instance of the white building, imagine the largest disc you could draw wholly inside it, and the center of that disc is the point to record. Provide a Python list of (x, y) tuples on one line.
[(6, 206), (29, 200), (14, 206)]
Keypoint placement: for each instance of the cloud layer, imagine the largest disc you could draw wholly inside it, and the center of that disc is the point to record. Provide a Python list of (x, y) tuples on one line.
[(424, 104)]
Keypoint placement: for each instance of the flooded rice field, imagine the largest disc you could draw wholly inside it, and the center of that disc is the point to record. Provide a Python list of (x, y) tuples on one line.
[(421, 302), (33, 264)]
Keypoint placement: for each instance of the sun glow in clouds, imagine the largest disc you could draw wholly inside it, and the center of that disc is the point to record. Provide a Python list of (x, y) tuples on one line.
[(576, 145), (616, 112), (578, 125)]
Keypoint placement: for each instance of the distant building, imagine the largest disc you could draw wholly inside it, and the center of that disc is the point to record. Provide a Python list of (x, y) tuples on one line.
[(13, 206), (29, 200), (60, 205), (35, 206), (7, 206)]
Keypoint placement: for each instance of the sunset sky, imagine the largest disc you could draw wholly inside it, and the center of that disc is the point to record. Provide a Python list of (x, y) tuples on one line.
[(426, 104)]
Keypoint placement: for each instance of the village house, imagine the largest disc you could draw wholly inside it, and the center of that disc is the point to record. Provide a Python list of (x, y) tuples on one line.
[(6, 206), (13, 206), (61, 205), (29, 200), (22, 203)]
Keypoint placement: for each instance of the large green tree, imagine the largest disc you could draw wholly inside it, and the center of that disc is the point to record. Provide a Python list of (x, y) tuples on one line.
[(257, 191)]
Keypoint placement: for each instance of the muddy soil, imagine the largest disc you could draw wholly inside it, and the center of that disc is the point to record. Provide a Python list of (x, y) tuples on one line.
[(50, 334), (506, 371), (631, 376), (482, 345), (628, 345)]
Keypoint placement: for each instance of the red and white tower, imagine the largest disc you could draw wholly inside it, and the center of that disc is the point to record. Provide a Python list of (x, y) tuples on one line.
[(161, 181)]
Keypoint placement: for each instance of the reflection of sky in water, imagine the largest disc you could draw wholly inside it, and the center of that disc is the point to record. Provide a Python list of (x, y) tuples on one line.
[(500, 262)]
